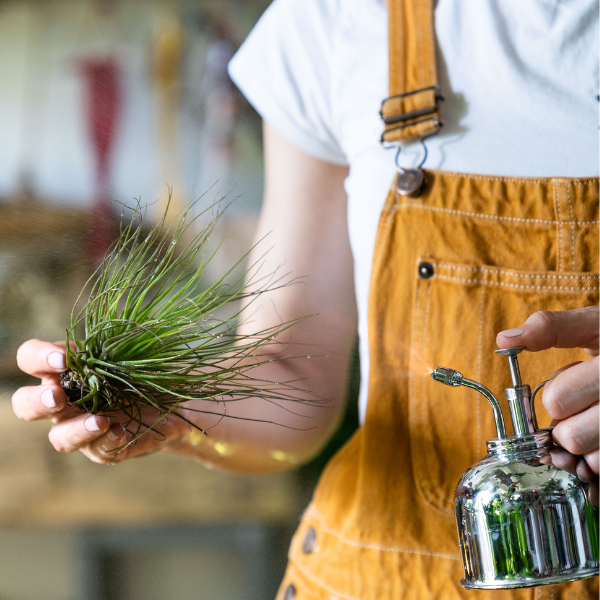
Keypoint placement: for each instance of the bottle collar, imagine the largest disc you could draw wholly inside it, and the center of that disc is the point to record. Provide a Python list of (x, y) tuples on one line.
[(541, 440)]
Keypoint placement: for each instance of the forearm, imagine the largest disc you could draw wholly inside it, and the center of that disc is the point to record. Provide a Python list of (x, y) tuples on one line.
[(304, 223), (257, 436)]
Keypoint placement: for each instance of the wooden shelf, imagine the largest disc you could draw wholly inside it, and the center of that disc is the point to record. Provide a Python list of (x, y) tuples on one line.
[(39, 486)]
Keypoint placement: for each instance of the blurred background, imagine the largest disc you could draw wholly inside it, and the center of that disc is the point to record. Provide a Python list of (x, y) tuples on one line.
[(103, 102)]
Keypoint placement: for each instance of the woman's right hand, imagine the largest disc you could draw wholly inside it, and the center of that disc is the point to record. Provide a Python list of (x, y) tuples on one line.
[(95, 435)]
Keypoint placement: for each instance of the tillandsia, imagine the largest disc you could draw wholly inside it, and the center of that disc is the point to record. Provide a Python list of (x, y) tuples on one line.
[(151, 335)]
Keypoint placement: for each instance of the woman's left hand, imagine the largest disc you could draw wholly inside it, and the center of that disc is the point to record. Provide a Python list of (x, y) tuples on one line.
[(571, 398)]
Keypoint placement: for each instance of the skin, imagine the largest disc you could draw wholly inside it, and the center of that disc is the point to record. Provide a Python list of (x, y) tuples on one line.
[(304, 194), (571, 398)]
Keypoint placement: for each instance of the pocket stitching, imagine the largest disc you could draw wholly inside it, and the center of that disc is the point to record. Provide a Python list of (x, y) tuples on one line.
[(558, 229), (518, 285), (500, 271), (429, 496), (571, 215), (479, 359), (463, 213)]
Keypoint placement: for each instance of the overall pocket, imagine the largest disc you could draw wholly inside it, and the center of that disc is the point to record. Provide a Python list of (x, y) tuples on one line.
[(458, 310)]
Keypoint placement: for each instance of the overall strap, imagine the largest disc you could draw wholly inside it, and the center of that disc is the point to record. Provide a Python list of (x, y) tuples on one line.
[(411, 111)]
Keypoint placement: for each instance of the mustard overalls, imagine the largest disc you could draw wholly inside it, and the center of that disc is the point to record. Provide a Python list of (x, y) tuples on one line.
[(468, 256)]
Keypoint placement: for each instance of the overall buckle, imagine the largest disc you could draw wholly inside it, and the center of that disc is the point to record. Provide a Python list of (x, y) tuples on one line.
[(406, 116)]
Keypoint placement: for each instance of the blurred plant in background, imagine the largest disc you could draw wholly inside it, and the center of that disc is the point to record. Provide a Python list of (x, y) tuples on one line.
[(104, 101)]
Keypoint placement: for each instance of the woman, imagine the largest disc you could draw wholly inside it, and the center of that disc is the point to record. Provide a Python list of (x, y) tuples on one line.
[(504, 226)]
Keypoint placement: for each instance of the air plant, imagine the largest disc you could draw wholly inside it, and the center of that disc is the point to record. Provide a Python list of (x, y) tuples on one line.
[(151, 335)]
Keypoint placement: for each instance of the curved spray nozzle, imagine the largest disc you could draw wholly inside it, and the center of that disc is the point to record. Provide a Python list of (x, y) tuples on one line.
[(454, 378)]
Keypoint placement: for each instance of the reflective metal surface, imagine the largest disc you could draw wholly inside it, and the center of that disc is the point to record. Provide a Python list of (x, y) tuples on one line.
[(410, 182), (522, 523), (519, 404), (454, 379), (513, 363)]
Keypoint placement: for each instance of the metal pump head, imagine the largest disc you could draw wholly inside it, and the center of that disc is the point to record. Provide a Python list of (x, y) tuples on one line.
[(519, 397)]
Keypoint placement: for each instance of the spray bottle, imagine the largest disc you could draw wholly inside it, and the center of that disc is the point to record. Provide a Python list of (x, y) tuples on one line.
[(521, 522)]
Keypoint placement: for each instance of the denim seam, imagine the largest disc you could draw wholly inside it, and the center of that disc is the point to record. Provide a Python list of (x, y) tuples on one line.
[(431, 496), (421, 314), (559, 257), (323, 585), (572, 216), (313, 511), (531, 274), (463, 213), (479, 359), (515, 180), (517, 285)]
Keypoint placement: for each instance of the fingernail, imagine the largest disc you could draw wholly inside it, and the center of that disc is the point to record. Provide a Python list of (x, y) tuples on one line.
[(510, 333), (57, 360), (91, 424), (48, 399), (115, 432)]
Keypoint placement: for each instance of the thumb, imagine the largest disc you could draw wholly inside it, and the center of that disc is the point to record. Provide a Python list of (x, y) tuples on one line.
[(555, 329)]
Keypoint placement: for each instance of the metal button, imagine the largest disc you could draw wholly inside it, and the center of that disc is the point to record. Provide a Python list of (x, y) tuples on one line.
[(310, 541), (410, 182), (290, 592), (425, 270)]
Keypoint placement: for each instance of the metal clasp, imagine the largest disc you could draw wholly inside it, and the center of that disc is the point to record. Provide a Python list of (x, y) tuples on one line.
[(410, 182), (421, 112)]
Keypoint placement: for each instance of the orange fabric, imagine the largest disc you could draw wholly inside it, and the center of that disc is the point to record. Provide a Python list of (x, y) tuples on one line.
[(381, 525), (501, 248), (412, 67)]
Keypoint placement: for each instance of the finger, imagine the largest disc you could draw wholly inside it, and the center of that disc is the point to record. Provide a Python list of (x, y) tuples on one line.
[(103, 449), (583, 471), (592, 459), (572, 390), (38, 402), (559, 371), (562, 459), (31, 403), (555, 329), (72, 434), (579, 434), (39, 358), (163, 432), (576, 465)]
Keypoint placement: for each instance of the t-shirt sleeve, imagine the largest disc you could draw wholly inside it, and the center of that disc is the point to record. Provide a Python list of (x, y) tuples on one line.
[(284, 69)]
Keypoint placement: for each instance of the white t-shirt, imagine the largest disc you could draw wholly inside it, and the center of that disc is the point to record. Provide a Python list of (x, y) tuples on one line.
[(520, 79)]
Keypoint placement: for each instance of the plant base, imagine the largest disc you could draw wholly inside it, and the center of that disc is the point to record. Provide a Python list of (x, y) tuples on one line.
[(71, 384)]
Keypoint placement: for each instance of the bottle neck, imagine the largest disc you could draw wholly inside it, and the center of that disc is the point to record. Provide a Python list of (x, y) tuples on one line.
[(539, 442)]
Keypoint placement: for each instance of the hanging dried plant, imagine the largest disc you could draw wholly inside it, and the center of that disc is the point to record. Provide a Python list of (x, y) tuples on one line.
[(151, 336)]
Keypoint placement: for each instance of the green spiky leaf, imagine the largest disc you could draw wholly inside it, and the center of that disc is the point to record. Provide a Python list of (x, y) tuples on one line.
[(151, 334)]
